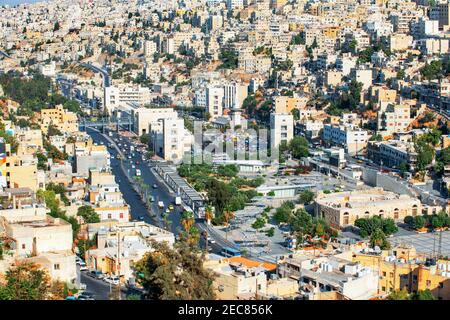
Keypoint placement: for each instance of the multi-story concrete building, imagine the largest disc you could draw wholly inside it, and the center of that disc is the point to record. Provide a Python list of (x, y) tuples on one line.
[(234, 95), (123, 96), (174, 141), (352, 138), (392, 153), (394, 118), (64, 121), (37, 237), (150, 119), (281, 129), (214, 101)]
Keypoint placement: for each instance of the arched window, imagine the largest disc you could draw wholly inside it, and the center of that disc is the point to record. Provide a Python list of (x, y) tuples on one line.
[(346, 218), (396, 213)]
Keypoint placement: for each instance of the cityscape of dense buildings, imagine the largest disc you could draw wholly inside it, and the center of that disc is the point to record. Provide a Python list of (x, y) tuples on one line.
[(225, 149)]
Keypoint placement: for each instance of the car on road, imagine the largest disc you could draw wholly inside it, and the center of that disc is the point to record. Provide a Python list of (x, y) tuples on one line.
[(83, 267), (83, 297), (171, 207), (97, 274), (155, 186), (141, 218), (167, 211), (112, 280), (211, 240)]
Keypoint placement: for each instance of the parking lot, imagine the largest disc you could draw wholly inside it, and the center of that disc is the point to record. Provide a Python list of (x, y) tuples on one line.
[(426, 243)]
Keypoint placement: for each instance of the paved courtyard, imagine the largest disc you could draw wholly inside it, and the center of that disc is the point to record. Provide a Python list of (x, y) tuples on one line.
[(424, 243)]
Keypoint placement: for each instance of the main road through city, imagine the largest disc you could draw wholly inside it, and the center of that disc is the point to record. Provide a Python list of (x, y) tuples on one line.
[(137, 208)]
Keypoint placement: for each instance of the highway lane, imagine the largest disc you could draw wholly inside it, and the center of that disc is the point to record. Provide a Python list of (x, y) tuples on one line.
[(161, 193), (137, 207)]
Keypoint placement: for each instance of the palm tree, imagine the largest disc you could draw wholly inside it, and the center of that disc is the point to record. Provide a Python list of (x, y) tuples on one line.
[(187, 220), (228, 215), (209, 214)]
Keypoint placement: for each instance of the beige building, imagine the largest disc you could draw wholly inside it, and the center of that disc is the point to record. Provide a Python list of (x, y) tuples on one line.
[(22, 172), (65, 121), (285, 104), (400, 42), (120, 245), (394, 118), (239, 278), (343, 208), (34, 236)]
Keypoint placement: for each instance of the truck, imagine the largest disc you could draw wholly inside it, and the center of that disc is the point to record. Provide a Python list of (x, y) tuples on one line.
[(177, 201), (161, 204)]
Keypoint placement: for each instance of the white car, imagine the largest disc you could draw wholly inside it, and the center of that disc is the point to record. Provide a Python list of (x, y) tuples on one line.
[(112, 279), (83, 267)]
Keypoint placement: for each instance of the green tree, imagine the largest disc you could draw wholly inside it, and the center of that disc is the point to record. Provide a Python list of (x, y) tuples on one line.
[(399, 295), (88, 214), (423, 295), (419, 222), (284, 212), (175, 274), (378, 238), (432, 70), (25, 282), (145, 139), (298, 147), (259, 223), (307, 196)]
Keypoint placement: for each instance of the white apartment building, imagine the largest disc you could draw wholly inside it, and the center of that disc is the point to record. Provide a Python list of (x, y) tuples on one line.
[(174, 140), (281, 129), (150, 48), (346, 63), (394, 118), (234, 95), (144, 118), (364, 76), (352, 138), (48, 70), (122, 96), (214, 101)]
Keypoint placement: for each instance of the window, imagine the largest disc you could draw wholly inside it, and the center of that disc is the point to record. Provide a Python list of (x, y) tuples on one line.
[(383, 288), (121, 215), (23, 246), (109, 216), (384, 275), (56, 266), (428, 283), (441, 285)]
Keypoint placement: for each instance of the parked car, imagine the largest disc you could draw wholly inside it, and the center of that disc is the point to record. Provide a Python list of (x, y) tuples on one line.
[(155, 186), (97, 274), (83, 297), (171, 207), (112, 279)]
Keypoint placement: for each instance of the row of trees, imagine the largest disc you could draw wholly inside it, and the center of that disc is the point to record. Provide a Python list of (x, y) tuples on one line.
[(435, 221)]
